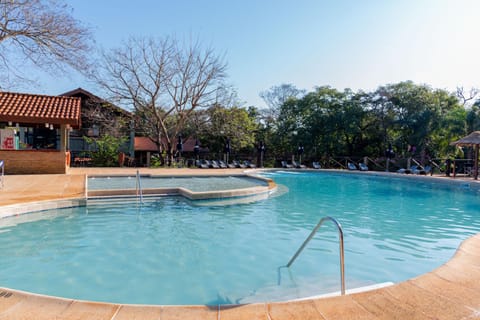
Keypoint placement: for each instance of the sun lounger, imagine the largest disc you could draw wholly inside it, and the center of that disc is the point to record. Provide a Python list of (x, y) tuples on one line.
[(351, 166), (214, 164), (286, 165), (298, 165), (201, 164), (316, 165), (222, 164), (248, 164), (238, 164), (362, 166), (420, 170)]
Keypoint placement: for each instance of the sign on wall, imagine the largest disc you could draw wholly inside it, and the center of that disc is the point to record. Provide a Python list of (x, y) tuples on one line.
[(7, 139)]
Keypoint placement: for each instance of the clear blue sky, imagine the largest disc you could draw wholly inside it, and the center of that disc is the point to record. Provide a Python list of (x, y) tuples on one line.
[(357, 44)]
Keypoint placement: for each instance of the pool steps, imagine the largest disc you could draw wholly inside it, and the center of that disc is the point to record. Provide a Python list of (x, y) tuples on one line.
[(191, 195)]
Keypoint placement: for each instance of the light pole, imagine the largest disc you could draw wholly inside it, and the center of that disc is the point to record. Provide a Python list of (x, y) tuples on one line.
[(300, 152)]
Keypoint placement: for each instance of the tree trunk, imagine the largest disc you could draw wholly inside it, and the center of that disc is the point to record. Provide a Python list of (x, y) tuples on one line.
[(169, 154)]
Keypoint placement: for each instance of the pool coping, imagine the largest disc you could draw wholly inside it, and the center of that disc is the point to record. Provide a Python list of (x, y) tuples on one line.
[(185, 192), (451, 291)]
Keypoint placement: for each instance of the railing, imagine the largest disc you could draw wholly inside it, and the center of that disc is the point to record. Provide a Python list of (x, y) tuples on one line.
[(138, 188), (338, 163), (2, 165), (342, 257), (376, 163)]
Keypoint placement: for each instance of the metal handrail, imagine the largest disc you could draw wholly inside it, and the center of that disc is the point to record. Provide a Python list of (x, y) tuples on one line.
[(138, 187), (342, 257), (2, 165)]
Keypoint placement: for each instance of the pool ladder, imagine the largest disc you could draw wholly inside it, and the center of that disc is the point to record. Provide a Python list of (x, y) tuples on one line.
[(2, 177), (138, 188), (340, 236)]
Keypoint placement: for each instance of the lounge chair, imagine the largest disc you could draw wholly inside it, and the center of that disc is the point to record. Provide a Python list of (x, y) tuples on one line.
[(238, 164), (413, 169), (298, 165), (286, 165), (420, 170), (362, 166), (222, 164), (214, 164), (351, 166), (201, 164), (248, 164), (316, 165)]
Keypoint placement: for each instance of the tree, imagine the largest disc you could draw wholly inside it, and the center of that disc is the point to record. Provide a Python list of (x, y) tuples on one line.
[(106, 151), (164, 81), (233, 123), (42, 32), (275, 97), (464, 97)]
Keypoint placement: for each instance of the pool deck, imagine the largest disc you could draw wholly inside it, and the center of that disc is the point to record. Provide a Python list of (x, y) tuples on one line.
[(451, 291)]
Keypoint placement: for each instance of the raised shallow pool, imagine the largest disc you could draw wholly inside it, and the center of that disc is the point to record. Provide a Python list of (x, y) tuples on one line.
[(169, 251), (195, 184)]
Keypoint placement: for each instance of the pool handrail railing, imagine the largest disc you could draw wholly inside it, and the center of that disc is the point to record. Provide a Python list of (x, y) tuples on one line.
[(342, 256), (2, 165), (138, 187)]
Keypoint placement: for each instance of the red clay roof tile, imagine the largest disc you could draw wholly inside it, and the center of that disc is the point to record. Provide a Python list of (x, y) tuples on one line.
[(145, 144), (32, 108)]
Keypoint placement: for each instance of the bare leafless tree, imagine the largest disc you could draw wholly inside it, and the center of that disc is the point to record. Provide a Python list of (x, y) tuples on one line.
[(42, 32), (164, 81), (464, 97), (108, 119), (275, 97)]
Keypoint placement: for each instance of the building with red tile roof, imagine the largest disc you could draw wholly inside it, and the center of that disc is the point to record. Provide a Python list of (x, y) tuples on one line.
[(39, 109), (34, 132), (145, 144)]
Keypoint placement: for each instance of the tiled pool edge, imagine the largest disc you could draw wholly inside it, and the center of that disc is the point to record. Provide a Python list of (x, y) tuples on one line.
[(35, 206), (194, 195)]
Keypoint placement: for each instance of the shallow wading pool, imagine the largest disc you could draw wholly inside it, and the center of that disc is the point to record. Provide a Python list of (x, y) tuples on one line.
[(169, 251), (195, 184)]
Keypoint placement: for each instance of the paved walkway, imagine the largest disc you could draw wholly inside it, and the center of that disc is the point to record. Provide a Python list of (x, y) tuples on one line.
[(452, 291)]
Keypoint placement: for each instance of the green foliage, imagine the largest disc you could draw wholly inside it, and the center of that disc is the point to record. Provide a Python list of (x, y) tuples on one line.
[(236, 124), (346, 123), (156, 161), (106, 151)]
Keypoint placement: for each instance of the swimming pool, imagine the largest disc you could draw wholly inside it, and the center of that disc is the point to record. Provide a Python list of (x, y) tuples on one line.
[(394, 230)]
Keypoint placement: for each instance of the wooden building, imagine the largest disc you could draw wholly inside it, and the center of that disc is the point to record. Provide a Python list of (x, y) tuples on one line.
[(34, 132)]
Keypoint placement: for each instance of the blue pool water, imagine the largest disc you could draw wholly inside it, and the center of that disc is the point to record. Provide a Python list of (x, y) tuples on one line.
[(169, 251), (196, 184)]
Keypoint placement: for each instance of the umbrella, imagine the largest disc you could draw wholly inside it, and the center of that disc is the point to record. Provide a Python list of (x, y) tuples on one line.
[(196, 149), (180, 144), (261, 152), (472, 140), (300, 149), (227, 149)]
